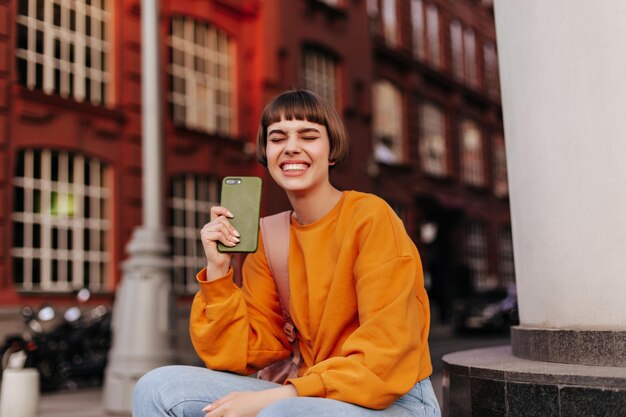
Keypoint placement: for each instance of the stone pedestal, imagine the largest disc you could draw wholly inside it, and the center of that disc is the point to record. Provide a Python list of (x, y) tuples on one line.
[(564, 99)]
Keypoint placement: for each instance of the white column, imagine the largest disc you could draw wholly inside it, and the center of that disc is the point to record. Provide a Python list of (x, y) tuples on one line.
[(142, 312), (563, 76)]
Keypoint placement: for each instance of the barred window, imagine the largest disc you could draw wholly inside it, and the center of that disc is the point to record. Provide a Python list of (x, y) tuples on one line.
[(201, 76), (320, 74), (434, 37), (432, 145), (472, 169), (63, 47), (191, 199), (388, 123), (419, 27), (390, 22), (500, 183), (61, 222), (492, 80), (506, 260), (476, 254)]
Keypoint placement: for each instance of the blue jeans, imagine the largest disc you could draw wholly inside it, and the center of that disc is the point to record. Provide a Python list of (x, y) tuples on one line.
[(183, 391)]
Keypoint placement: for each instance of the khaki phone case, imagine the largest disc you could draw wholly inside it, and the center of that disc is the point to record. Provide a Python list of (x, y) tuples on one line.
[(242, 196)]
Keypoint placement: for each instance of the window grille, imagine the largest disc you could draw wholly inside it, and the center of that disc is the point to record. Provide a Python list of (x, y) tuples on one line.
[(506, 259), (320, 75), (388, 123), (201, 75), (191, 199), (476, 254), (432, 146), (472, 170), (63, 48), (61, 222)]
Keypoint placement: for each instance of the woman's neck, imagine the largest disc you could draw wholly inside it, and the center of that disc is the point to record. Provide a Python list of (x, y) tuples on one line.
[(311, 206)]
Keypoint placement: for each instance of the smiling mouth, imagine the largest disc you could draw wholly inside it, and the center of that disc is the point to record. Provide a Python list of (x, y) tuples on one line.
[(294, 167)]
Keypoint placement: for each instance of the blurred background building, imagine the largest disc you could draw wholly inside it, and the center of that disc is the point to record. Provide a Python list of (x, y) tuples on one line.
[(416, 82)]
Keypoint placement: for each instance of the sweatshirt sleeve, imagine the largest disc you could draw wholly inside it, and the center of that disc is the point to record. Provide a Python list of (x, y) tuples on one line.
[(239, 329), (381, 359)]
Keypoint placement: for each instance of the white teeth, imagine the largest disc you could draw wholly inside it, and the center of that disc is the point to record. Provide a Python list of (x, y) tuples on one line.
[(294, 167)]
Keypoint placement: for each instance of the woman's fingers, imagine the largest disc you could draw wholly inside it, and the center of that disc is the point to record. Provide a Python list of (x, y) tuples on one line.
[(217, 211), (220, 230)]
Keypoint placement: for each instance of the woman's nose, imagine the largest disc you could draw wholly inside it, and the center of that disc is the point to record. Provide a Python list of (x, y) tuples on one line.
[(291, 146)]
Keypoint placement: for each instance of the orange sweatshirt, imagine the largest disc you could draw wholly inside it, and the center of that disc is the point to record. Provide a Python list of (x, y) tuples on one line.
[(357, 299)]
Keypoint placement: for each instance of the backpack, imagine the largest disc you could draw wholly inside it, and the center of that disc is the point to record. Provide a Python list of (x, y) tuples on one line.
[(277, 254)]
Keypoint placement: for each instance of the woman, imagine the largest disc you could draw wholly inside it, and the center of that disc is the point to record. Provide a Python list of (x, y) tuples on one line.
[(357, 297)]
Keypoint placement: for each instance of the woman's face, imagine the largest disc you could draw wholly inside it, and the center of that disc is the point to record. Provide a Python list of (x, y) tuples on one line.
[(297, 155)]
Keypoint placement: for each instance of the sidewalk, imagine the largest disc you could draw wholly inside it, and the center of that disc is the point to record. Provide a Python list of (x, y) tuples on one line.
[(80, 403)]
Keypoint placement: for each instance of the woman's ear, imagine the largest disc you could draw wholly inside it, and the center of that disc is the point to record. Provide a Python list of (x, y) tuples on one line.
[(331, 163)]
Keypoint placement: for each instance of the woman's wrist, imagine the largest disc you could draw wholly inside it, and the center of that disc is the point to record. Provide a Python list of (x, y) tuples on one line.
[(215, 272)]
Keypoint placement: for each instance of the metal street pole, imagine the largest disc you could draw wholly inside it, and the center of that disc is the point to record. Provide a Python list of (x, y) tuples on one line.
[(142, 311)]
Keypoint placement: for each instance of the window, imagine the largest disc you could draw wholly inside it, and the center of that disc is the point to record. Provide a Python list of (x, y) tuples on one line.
[(456, 45), (191, 200), (472, 171), (476, 254), (320, 74), (201, 70), (390, 22), (419, 26), (506, 261), (388, 123), (469, 40), (492, 81), (61, 221), (434, 38), (501, 186), (432, 146), (63, 48)]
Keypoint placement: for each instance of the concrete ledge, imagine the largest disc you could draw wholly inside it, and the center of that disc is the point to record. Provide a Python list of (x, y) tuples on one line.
[(493, 382), (582, 347)]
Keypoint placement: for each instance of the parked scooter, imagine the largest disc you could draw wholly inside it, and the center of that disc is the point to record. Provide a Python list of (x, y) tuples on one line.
[(68, 353)]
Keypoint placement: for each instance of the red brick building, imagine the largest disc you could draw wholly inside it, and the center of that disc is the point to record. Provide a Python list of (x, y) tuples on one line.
[(416, 82)]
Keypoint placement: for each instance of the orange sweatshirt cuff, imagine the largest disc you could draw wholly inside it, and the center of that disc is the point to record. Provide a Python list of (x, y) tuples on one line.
[(219, 288), (309, 386)]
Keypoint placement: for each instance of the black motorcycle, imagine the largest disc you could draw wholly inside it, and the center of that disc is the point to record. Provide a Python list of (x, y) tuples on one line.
[(68, 353)]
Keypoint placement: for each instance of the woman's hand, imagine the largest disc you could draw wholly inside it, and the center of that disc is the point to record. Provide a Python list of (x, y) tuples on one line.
[(248, 403), (218, 229)]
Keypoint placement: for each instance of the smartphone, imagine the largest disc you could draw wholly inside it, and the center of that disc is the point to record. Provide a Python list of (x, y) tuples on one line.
[(242, 196)]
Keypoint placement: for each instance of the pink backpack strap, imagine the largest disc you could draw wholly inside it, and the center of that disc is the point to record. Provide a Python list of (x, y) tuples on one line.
[(275, 233)]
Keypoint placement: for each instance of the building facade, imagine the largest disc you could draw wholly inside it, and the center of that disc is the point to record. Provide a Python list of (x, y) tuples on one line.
[(416, 82)]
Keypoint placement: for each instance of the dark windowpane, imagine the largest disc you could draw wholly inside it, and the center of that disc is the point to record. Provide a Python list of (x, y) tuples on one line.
[(103, 61), (102, 175), (21, 71), (103, 208), (86, 173), (40, 8), (88, 2), (102, 240), (88, 57), (86, 239), (39, 41), (87, 89), (18, 270), (37, 164), (55, 238), (103, 92), (18, 235), (36, 235), (56, 14), (72, 20), (87, 207), (54, 175), (38, 76), (86, 274), (70, 239), (103, 28), (70, 170), (55, 270), (18, 200), (36, 271), (57, 85), (70, 271), (72, 53), (57, 48), (71, 84), (23, 7), (36, 201), (22, 37), (88, 25)]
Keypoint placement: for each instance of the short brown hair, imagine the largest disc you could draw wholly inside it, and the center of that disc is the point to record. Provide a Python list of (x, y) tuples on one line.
[(304, 105)]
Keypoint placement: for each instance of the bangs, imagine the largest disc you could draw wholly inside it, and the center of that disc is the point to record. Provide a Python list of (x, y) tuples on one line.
[(297, 105)]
